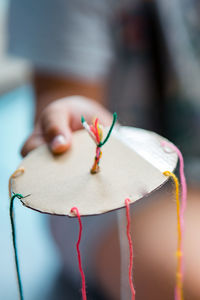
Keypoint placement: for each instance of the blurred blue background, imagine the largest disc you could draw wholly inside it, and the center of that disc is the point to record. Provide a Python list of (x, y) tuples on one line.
[(39, 262), (38, 257)]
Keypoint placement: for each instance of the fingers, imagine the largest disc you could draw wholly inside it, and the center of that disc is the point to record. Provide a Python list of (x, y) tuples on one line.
[(105, 117), (78, 105), (60, 118), (34, 141), (103, 114), (55, 123)]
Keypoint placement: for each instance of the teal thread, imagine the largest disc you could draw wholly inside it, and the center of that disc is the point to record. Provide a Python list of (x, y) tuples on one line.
[(82, 119), (110, 130), (19, 196)]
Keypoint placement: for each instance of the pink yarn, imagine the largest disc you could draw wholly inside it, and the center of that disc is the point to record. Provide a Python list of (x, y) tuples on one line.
[(182, 178), (183, 195), (182, 175), (130, 249), (76, 211)]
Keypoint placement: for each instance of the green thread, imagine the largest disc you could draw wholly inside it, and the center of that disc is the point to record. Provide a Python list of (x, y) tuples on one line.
[(110, 130), (19, 196), (82, 119)]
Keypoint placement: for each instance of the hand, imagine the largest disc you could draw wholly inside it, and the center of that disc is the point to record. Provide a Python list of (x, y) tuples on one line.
[(59, 119)]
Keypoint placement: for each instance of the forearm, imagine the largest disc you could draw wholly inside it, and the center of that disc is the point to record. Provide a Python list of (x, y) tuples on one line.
[(50, 87)]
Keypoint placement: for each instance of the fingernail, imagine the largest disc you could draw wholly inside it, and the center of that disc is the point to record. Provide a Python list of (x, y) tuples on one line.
[(58, 142)]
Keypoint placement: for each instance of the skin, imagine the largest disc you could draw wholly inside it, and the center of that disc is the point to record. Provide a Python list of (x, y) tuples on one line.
[(49, 87), (59, 119), (55, 120)]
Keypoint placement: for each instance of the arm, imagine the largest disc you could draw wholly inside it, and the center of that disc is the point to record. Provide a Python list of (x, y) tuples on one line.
[(48, 87)]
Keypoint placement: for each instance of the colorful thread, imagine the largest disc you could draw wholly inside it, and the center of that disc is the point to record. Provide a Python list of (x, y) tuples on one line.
[(12, 195), (99, 135), (110, 130), (183, 193), (96, 132), (19, 196), (182, 179), (179, 252), (76, 211), (128, 232)]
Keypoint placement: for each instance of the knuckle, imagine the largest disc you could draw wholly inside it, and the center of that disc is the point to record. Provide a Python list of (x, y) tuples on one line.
[(52, 130), (25, 149), (31, 143), (49, 125)]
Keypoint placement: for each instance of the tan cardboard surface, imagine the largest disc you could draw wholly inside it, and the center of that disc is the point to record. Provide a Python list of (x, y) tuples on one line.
[(57, 183)]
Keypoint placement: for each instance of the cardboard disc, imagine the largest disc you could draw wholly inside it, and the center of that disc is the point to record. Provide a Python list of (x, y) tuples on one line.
[(132, 164)]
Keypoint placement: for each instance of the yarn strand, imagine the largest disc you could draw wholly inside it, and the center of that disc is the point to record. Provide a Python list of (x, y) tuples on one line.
[(183, 190), (179, 252), (19, 196), (110, 130), (76, 211), (182, 179), (128, 232), (96, 133)]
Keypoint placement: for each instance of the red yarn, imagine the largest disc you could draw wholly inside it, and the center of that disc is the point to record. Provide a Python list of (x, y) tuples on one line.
[(94, 129), (97, 133), (79, 254), (130, 249)]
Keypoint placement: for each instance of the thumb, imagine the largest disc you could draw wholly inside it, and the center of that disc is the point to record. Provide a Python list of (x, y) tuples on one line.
[(56, 129)]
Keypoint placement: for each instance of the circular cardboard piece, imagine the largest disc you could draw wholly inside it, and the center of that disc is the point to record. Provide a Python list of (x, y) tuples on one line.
[(132, 166)]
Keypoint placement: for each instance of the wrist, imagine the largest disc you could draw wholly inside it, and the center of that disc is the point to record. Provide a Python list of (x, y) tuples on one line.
[(49, 88)]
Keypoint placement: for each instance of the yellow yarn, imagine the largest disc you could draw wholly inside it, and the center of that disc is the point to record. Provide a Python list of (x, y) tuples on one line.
[(100, 132), (179, 254)]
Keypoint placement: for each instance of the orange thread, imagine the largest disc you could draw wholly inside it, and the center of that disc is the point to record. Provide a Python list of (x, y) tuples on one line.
[(128, 232), (98, 134), (18, 172), (76, 211), (96, 125)]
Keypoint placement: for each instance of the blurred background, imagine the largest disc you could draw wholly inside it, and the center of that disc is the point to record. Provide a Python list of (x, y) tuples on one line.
[(38, 255), (139, 58)]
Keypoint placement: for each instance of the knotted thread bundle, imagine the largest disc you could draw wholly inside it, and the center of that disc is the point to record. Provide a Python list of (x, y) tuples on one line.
[(96, 133)]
